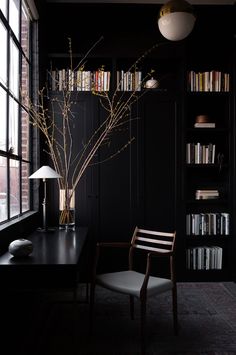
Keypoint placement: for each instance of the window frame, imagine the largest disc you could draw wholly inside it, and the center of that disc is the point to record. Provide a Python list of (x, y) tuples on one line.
[(22, 159)]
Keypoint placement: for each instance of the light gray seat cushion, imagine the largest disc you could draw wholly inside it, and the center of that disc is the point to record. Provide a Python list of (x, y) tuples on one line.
[(130, 282)]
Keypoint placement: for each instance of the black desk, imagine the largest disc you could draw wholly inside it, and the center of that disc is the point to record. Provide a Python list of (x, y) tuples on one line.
[(53, 263)]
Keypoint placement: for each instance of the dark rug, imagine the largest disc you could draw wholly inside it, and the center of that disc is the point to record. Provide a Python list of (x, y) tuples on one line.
[(207, 323)]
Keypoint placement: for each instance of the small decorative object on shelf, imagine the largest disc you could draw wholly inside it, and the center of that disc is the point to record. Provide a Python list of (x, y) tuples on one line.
[(20, 247), (151, 84), (203, 121), (206, 194)]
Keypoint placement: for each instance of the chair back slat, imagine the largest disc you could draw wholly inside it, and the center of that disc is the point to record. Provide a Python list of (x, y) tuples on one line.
[(138, 246), (146, 231), (164, 242)]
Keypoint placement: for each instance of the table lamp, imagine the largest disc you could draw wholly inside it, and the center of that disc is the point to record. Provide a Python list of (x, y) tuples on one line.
[(44, 173)]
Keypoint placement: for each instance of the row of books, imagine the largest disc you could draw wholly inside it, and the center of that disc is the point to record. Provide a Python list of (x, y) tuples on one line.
[(206, 194), (197, 153), (79, 80), (213, 80), (98, 80), (204, 258), (129, 81), (198, 224)]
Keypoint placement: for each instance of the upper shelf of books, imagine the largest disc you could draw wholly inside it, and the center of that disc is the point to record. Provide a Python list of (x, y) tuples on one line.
[(208, 81), (103, 74)]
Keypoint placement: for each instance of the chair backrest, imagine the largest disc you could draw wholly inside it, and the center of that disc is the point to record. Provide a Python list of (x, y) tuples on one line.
[(155, 241)]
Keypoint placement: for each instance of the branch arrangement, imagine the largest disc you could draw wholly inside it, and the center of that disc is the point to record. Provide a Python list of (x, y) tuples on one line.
[(54, 119)]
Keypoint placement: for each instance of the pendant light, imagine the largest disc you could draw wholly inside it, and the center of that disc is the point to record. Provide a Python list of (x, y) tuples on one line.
[(176, 20)]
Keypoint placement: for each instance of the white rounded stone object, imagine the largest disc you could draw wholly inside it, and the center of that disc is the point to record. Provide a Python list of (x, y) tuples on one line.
[(20, 247)]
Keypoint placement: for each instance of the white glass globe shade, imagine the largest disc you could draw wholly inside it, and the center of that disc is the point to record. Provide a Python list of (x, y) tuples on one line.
[(176, 25)]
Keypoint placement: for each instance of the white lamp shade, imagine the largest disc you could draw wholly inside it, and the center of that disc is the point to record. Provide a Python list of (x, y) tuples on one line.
[(176, 25), (45, 172)]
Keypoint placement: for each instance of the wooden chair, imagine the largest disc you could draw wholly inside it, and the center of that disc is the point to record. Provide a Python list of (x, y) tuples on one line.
[(136, 284)]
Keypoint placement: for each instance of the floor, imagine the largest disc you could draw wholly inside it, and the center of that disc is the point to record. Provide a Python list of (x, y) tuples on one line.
[(53, 325)]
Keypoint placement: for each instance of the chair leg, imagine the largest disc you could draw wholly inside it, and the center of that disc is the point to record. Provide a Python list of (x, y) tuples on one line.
[(175, 310), (91, 306), (143, 324), (131, 299)]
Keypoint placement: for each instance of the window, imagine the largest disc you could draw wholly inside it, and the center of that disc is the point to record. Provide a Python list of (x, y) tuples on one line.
[(15, 66)]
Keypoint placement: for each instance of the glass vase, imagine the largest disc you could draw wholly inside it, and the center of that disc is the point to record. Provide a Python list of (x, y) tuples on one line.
[(66, 209)]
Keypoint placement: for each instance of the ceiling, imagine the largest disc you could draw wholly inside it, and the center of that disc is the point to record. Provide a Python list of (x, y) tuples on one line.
[(194, 2)]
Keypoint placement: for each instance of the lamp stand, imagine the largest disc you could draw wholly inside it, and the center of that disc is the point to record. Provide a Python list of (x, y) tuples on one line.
[(44, 204)]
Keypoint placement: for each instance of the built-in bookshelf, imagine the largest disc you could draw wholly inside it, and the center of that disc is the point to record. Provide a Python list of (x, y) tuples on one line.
[(207, 173)]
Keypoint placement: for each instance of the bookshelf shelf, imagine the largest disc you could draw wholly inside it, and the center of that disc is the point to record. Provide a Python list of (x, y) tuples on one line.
[(208, 238), (217, 168), (203, 202), (208, 130)]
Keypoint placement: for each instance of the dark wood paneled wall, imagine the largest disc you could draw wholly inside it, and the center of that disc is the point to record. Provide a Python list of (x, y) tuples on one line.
[(142, 185)]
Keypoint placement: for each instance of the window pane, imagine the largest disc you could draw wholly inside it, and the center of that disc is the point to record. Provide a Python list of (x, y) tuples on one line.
[(3, 118), (14, 69), (25, 23), (3, 189), (13, 126), (25, 187), (3, 7), (14, 188), (14, 15), (3, 56)]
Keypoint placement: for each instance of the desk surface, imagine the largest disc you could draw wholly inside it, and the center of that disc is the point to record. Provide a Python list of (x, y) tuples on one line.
[(54, 248), (54, 261)]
